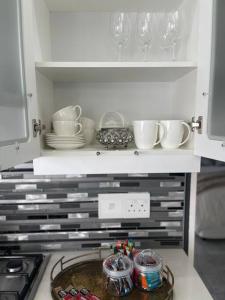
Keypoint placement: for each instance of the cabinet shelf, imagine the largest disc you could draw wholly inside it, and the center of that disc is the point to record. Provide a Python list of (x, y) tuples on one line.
[(111, 5), (88, 161), (115, 71)]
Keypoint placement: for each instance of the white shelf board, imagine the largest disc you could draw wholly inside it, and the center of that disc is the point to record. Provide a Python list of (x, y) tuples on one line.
[(112, 5), (115, 71), (86, 161)]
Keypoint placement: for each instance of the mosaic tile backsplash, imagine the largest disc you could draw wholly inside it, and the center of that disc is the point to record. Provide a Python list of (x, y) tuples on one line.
[(61, 212)]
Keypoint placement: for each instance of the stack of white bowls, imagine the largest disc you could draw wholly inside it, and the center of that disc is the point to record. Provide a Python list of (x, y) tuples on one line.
[(67, 129)]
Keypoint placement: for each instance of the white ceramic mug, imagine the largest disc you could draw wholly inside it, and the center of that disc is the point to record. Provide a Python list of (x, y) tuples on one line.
[(68, 113), (88, 129), (173, 137), (146, 133), (67, 128)]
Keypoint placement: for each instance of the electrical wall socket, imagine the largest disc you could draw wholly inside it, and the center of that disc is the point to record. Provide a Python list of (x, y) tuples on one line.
[(124, 206)]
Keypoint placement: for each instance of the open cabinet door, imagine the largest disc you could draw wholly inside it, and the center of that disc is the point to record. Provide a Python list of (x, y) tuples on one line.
[(18, 99), (211, 81)]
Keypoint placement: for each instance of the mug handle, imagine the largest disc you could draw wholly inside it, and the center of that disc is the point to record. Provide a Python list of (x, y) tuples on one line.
[(80, 126), (189, 133), (163, 135), (79, 111)]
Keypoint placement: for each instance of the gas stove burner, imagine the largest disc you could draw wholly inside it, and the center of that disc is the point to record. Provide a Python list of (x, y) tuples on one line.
[(20, 275), (14, 266)]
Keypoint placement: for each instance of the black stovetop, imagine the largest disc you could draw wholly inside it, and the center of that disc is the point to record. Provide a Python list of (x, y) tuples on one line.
[(20, 275)]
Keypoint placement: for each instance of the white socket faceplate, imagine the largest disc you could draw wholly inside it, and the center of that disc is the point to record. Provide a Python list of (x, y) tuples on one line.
[(124, 206)]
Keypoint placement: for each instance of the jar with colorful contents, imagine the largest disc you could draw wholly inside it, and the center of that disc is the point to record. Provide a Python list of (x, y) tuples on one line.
[(148, 266), (118, 270)]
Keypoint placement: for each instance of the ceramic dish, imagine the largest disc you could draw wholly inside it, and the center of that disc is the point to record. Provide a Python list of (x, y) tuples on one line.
[(65, 146)]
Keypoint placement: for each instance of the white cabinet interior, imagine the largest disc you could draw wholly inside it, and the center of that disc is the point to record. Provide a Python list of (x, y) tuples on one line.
[(76, 64)]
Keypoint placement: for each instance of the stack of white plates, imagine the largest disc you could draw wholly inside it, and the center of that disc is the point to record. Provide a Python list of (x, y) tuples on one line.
[(64, 142)]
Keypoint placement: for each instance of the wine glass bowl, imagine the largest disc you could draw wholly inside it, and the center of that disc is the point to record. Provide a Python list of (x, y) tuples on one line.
[(167, 29), (170, 29), (145, 31), (120, 29)]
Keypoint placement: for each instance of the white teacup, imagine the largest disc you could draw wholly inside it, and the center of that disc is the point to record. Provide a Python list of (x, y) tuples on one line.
[(173, 137), (68, 113), (67, 128), (146, 133), (88, 130)]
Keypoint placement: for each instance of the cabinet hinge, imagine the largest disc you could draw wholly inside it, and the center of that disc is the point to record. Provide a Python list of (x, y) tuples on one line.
[(197, 124), (37, 127)]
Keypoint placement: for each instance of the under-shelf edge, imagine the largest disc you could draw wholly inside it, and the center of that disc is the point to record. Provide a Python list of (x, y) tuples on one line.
[(126, 71), (98, 161)]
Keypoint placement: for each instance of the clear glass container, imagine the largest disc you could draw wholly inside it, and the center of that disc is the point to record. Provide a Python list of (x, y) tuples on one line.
[(118, 270), (148, 266)]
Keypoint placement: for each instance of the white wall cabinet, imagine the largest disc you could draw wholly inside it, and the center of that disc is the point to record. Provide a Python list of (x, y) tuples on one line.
[(69, 58), (18, 96)]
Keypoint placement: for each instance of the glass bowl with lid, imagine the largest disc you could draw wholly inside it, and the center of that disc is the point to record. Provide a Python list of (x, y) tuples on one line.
[(118, 271), (148, 267)]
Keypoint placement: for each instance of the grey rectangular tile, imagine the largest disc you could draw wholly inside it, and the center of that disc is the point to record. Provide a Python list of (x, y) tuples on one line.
[(78, 216), (50, 227), (25, 187), (17, 237), (170, 184), (109, 184), (110, 225), (171, 204), (79, 196), (78, 235), (166, 198), (175, 233), (39, 207), (177, 194), (140, 233), (51, 247), (138, 175), (175, 214), (36, 196), (170, 224)]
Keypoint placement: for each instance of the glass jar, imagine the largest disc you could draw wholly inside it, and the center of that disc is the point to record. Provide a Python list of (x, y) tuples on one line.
[(148, 266), (118, 270)]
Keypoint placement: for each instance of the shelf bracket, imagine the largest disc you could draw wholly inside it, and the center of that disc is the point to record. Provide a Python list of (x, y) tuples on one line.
[(197, 124)]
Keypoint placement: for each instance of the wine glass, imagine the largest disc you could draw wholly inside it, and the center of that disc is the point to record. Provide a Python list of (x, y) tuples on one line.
[(145, 31), (120, 28), (171, 31)]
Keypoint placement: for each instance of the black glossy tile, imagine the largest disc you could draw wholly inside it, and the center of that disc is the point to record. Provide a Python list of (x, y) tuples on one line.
[(56, 195), (70, 226)]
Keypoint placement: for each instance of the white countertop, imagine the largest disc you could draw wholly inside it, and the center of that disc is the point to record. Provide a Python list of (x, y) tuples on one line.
[(188, 284)]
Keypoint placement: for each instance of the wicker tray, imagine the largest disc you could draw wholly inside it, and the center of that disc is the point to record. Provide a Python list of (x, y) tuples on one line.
[(88, 273)]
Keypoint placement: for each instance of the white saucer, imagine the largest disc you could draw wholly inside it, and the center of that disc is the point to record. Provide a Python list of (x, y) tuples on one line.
[(65, 146), (61, 137), (64, 142)]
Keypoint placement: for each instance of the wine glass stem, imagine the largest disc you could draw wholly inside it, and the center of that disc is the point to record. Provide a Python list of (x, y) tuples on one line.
[(174, 51), (146, 52), (120, 50)]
